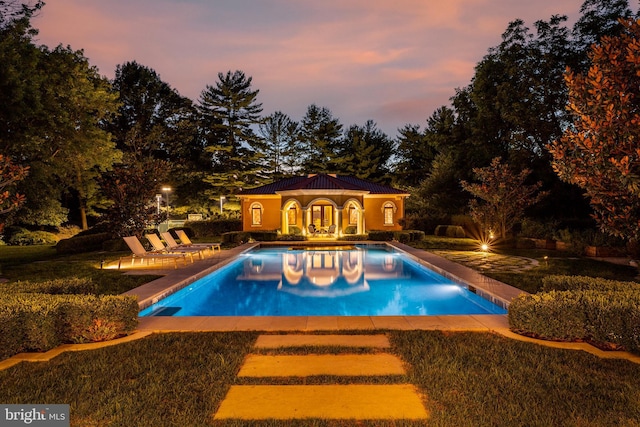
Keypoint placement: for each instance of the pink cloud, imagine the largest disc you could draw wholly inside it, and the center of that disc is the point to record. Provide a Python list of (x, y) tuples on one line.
[(390, 61)]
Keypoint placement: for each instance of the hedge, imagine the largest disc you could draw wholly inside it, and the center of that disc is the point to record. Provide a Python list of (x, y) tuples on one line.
[(355, 237), (450, 231), (584, 283), (72, 285), (80, 244), (380, 235), (600, 317), (212, 228), (40, 322), (24, 237)]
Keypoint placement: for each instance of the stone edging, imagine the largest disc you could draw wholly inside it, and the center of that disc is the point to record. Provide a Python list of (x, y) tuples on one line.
[(47, 356)]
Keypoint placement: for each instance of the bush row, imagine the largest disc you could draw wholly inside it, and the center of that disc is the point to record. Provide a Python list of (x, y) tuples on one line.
[(40, 322), (84, 243), (212, 228), (18, 236), (244, 236), (584, 283), (72, 285), (600, 317)]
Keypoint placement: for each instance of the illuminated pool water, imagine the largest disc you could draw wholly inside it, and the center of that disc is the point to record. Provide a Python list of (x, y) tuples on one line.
[(353, 281)]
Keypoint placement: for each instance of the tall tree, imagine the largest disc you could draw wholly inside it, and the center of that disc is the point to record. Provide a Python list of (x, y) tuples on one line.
[(280, 136), (369, 150), (52, 107), (229, 112), (414, 156), (155, 121), (320, 141), (128, 188), (600, 152)]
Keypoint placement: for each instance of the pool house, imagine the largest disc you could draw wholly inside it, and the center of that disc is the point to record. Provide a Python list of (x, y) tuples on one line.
[(324, 205)]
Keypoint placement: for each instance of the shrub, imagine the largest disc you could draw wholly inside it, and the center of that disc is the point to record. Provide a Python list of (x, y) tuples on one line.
[(235, 237), (584, 283), (378, 235), (602, 317), (355, 237), (352, 229), (450, 231), (291, 237), (295, 230), (27, 238), (85, 243), (71, 285), (40, 322), (213, 228)]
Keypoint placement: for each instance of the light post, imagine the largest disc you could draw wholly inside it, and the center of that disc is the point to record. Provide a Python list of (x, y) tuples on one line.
[(158, 198), (166, 193), (222, 199)]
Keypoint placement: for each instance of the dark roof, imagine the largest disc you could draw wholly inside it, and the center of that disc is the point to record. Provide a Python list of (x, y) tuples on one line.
[(322, 182)]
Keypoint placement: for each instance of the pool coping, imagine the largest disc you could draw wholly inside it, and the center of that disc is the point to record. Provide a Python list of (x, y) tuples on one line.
[(491, 289)]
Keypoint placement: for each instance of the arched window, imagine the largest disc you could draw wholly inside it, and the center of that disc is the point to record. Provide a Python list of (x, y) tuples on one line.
[(256, 214), (389, 209)]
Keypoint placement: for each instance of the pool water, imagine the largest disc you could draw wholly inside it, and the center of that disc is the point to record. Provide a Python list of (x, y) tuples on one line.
[(352, 281)]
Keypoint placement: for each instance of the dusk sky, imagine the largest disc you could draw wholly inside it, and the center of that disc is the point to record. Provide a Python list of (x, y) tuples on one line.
[(392, 61)]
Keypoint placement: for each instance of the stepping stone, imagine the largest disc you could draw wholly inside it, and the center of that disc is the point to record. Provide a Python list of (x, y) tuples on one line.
[(324, 364), (362, 402), (276, 341)]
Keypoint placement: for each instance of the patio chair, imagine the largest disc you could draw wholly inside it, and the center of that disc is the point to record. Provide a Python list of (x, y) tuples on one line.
[(312, 229), (138, 251), (186, 242), (172, 245), (331, 230), (158, 246)]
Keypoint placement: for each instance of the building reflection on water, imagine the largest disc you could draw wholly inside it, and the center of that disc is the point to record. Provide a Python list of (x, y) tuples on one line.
[(324, 273)]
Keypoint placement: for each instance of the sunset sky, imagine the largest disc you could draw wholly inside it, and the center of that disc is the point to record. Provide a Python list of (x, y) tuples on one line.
[(392, 61)]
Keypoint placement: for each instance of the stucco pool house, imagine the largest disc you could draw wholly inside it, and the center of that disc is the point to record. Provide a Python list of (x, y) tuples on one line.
[(334, 204)]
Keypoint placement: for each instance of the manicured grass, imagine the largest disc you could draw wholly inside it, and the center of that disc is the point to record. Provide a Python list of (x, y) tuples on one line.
[(563, 264), (467, 379), (40, 263), (473, 379)]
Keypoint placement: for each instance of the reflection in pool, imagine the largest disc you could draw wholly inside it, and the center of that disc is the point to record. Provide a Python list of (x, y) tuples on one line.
[(326, 282)]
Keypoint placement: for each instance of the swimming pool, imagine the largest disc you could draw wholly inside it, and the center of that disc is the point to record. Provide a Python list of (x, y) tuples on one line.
[(331, 281)]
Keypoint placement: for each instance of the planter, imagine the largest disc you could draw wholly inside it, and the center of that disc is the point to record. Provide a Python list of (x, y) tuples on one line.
[(604, 252)]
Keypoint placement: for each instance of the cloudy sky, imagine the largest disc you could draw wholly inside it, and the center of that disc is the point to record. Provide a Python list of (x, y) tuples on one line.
[(392, 61)]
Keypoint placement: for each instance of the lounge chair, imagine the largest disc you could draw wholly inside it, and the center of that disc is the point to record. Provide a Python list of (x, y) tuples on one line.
[(186, 242), (158, 246), (139, 251)]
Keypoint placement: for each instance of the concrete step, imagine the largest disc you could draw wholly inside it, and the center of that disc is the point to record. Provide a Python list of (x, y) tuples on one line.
[(362, 402), (323, 364), (277, 341)]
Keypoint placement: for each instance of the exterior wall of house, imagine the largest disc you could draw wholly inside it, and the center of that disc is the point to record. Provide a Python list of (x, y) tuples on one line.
[(374, 212), (270, 213)]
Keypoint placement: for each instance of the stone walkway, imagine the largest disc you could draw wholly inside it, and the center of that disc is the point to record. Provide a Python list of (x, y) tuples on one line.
[(338, 400), (483, 261)]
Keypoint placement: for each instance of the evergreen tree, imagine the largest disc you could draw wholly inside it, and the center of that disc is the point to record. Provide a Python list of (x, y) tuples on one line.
[(369, 150), (280, 136), (229, 110), (321, 141)]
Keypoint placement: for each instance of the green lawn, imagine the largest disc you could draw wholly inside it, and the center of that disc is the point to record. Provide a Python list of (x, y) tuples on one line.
[(40, 263), (467, 379)]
